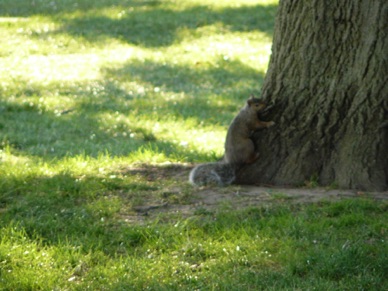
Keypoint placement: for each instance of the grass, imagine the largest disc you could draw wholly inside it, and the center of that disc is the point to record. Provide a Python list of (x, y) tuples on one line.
[(331, 246), (100, 101)]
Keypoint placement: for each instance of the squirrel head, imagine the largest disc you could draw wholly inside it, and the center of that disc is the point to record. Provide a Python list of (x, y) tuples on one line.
[(256, 104)]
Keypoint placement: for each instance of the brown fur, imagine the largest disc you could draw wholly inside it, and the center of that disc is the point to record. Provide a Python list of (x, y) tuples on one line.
[(239, 147)]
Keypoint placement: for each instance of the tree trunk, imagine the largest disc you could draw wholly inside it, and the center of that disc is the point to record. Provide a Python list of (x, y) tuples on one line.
[(328, 80)]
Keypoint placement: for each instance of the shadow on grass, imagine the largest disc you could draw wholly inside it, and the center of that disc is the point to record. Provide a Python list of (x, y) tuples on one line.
[(22, 8), (160, 27), (29, 131), (154, 26), (226, 78), (31, 128), (191, 80), (81, 211), (63, 208)]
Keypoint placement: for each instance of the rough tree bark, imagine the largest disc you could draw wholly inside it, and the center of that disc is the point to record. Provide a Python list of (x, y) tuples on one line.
[(328, 79)]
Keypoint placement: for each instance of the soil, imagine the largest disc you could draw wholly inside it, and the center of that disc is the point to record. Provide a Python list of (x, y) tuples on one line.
[(211, 198)]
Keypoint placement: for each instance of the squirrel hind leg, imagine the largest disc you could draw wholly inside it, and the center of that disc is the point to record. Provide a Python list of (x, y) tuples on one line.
[(252, 158), (227, 174)]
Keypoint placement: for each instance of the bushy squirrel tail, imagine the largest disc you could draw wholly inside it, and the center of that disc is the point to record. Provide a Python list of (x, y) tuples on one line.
[(221, 174)]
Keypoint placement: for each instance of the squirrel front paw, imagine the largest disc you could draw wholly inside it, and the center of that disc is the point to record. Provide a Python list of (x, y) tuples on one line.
[(271, 123)]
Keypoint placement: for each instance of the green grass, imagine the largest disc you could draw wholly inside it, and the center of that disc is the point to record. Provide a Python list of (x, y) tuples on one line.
[(102, 103), (82, 78), (331, 246)]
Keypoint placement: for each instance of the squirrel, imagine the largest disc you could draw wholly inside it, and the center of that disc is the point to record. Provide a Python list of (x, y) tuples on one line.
[(239, 147)]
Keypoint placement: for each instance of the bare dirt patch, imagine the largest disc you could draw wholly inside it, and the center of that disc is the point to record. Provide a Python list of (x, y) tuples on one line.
[(235, 196)]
